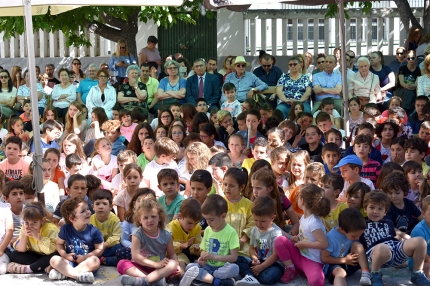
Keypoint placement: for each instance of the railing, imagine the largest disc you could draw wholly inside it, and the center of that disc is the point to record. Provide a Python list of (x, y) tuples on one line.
[(288, 32)]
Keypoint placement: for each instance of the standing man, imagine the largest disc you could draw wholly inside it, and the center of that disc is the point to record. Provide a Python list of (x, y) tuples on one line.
[(399, 61), (270, 74), (49, 70), (86, 84), (211, 67), (328, 84), (203, 85)]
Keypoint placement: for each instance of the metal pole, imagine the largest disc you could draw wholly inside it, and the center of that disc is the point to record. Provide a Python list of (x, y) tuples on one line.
[(344, 67), (37, 156)]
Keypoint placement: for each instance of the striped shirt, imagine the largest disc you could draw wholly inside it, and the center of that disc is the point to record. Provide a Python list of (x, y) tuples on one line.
[(371, 171)]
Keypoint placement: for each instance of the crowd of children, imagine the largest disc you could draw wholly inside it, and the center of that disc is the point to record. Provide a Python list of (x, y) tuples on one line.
[(229, 197)]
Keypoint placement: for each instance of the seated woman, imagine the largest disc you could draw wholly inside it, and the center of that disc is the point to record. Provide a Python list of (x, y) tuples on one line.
[(119, 62), (101, 95), (24, 91), (387, 78), (133, 93), (172, 88), (423, 85), (63, 94), (407, 83), (364, 84)]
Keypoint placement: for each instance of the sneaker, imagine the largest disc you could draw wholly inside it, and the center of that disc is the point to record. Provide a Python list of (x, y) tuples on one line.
[(55, 275), (161, 282), (377, 279), (85, 277), (247, 280), (227, 282), (189, 276), (131, 281), (108, 261), (419, 278), (4, 261), (290, 274), (365, 279)]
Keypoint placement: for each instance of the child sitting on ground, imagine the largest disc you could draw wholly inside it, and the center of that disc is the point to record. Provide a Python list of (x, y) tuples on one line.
[(168, 183), (333, 185), (330, 157), (355, 196), (362, 148)]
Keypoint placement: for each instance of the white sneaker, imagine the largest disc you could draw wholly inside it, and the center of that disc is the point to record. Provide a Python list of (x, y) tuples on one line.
[(247, 280), (56, 275), (85, 277), (365, 279), (4, 261), (189, 276)]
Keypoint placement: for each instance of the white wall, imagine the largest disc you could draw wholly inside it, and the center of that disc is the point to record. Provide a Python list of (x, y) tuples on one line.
[(231, 33)]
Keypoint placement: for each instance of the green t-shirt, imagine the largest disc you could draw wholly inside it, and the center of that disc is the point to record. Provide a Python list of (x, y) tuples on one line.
[(142, 161), (172, 209), (219, 243)]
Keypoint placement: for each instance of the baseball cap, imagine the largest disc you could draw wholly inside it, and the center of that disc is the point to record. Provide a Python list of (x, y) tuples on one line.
[(350, 159)]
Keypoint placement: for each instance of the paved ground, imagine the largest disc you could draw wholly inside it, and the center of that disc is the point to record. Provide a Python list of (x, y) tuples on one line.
[(109, 276)]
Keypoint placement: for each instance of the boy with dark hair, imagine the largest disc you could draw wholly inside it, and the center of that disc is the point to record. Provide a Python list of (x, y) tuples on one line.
[(212, 266), (175, 108), (382, 248), (241, 121), (344, 255), (362, 148), (259, 151), (201, 187), (424, 132), (219, 163), (115, 112), (186, 232), (14, 167), (13, 193), (417, 117), (168, 183), (79, 244), (51, 131), (330, 156), (397, 114), (73, 166), (290, 129), (29, 192), (403, 212), (232, 105), (324, 121), (415, 150), (77, 189), (350, 168), (166, 150), (202, 106), (112, 130), (366, 129), (93, 184), (333, 185), (108, 224)]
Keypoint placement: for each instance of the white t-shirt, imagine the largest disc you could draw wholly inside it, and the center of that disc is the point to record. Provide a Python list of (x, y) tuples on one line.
[(307, 226), (117, 183), (105, 172), (151, 171), (52, 195), (363, 180)]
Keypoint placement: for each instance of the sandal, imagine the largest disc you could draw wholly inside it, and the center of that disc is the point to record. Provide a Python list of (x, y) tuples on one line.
[(15, 268)]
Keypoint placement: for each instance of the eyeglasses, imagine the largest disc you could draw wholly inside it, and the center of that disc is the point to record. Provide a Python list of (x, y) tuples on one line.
[(411, 58), (165, 117), (4, 77), (199, 66), (292, 64), (172, 68), (266, 66), (177, 133), (122, 48), (203, 137), (105, 68), (321, 62), (399, 54), (241, 65), (76, 64)]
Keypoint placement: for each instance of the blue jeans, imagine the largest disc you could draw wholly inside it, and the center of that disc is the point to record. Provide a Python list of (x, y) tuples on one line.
[(285, 108), (111, 251), (229, 270), (269, 276)]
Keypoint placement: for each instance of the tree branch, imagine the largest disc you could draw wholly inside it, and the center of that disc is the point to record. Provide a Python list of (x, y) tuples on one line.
[(106, 31), (113, 21), (406, 14)]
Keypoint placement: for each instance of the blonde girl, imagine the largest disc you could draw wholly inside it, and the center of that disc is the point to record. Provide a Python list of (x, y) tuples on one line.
[(36, 242), (301, 253), (236, 145), (104, 163), (72, 144), (239, 208), (296, 166), (57, 176), (75, 120), (132, 177), (16, 128), (264, 185), (225, 126), (149, 218), (197, 156)]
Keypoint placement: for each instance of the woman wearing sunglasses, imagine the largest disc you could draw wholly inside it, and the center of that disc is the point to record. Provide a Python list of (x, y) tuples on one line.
[(7, 94), (293, 86), (407, 83), (119, 62)]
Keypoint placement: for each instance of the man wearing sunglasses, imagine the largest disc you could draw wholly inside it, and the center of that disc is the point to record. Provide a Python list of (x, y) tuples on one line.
[(247, 84), (399, 61), (270, 74), (328, 84), (320, 64)]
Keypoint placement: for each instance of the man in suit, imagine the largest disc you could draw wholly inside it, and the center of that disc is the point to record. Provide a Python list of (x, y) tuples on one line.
[(203, 85), (211, 67)]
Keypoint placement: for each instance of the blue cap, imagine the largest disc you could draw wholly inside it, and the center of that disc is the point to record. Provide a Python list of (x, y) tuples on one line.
[(350, 159)]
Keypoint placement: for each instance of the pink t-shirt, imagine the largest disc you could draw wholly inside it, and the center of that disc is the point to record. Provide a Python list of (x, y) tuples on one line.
[(16, 171), (127, 132)]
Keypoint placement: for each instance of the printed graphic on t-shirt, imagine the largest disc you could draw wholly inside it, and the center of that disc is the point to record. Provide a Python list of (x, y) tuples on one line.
[(218, 248), (13, 175), (78, 247), (148, 254), (262, 248), (376, 231)]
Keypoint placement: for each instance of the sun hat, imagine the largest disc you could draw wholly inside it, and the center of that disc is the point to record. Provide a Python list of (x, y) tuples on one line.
[(350, 159), (241, 59)]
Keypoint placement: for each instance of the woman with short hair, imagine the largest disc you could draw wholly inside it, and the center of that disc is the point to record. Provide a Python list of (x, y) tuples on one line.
[(364, 84)]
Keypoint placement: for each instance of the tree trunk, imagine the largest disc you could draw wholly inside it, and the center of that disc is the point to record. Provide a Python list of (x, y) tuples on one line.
[(426, 17), (406, 15)]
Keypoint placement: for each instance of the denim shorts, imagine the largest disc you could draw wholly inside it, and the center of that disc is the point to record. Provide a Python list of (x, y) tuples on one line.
[(398, 256)]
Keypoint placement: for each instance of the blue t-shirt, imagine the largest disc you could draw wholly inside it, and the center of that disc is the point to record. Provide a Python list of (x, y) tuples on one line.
[(420, 230), (84, 87), (117, 146), (338, 244), (45, 146), (80, 242), (327, 171), (405, 219)]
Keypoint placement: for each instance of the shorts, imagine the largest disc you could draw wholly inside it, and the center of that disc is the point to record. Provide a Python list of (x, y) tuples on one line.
[(398, 256), (74, 264), (329, 268)]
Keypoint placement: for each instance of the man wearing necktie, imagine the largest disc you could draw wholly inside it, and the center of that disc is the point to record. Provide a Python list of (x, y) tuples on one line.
[(203, 85)]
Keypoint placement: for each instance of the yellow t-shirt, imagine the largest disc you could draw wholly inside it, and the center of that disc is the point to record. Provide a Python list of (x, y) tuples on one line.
[(331, 220), (426, 169), (247, 163), (240, 218), (180, 236), (110, 229), (49, 233)]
